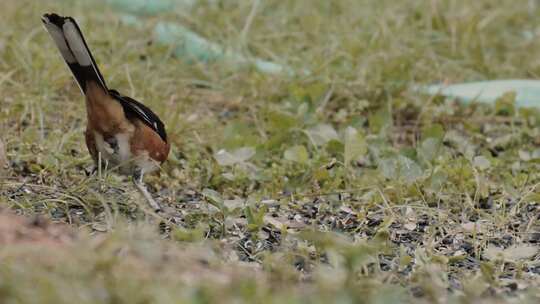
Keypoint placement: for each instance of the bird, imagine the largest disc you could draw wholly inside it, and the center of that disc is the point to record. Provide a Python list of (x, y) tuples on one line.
[(121, 132)]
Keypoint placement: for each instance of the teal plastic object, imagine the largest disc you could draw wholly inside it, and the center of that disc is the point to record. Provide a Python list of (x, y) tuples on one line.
[(191, 46), (187, 44), (527, 91), (149, 7)]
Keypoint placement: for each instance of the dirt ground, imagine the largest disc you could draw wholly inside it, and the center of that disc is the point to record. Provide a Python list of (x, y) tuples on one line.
[(16, 230)]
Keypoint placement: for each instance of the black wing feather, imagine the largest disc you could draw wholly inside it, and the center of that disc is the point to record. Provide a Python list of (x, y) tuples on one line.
[(133, 108)]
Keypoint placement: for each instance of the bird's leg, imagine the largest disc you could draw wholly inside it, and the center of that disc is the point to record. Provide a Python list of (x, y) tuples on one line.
[(102, 165), (98, 167), (138, 181)]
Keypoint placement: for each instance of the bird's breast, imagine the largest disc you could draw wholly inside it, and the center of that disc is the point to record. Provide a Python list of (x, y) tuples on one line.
[(114, 150), (117, 152)]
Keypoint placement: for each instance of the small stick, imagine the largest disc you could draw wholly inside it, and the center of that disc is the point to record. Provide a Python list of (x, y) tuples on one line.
[(142, 188)]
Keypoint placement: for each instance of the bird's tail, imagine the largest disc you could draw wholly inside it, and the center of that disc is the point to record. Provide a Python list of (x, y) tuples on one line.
[(69, 39)]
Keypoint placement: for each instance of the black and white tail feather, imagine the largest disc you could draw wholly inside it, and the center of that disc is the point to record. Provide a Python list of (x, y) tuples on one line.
[(69, 39), (70, 42)]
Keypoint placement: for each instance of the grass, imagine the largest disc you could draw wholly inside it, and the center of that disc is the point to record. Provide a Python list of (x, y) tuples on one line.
[(341, 185)]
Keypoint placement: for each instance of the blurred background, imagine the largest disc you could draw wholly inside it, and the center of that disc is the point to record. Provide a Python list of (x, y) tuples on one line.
[(301, 151)]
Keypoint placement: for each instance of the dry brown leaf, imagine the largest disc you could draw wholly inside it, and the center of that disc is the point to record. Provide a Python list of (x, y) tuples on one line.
[(512, 254), (471, 227), (282, 223), (410, 226), (347, 210), (276, 222)]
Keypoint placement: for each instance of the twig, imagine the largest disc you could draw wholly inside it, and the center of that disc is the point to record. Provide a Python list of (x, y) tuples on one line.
[(147, 196), (249, 21)]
